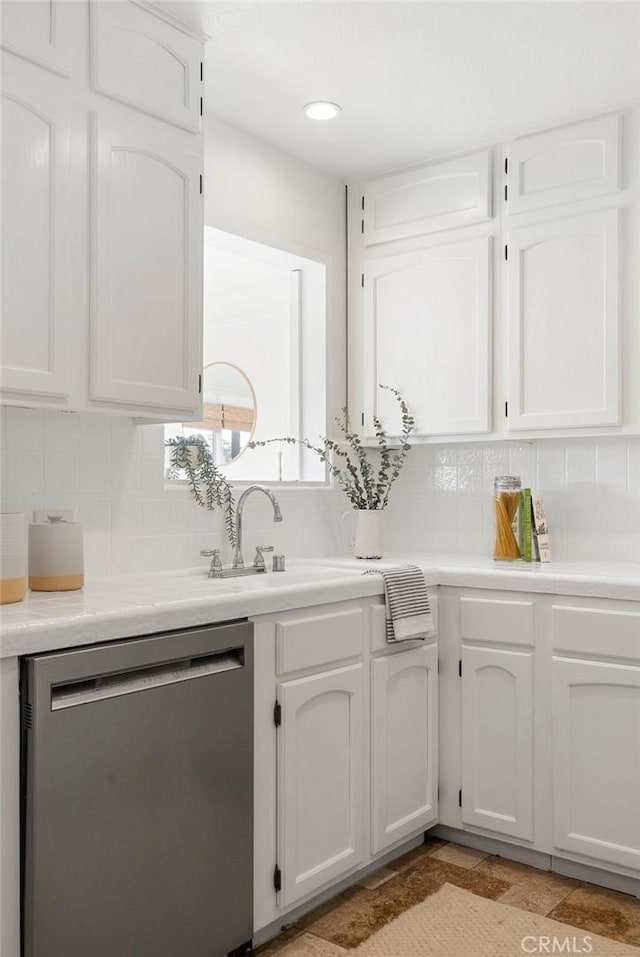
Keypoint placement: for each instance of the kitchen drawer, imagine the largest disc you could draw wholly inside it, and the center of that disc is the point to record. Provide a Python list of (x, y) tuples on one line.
[(319, 638), (506, 620), (597, 628)]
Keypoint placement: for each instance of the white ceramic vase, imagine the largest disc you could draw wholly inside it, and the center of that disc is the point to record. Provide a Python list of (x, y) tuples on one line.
[(368, 541)]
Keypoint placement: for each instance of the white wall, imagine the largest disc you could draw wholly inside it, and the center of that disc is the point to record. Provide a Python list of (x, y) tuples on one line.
[(257, 191)]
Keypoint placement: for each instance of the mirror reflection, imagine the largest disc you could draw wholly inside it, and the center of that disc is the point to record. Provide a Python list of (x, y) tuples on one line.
[(228, 411)]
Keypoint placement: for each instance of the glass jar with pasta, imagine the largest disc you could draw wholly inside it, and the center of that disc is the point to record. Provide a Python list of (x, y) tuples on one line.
[(507, 490)]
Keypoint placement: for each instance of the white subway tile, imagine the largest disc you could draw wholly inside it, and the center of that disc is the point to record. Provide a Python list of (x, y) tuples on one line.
[(156, 517), (95, 470), (94, 434), (23, 429), (611, 462), (61, 431), (61, 470)]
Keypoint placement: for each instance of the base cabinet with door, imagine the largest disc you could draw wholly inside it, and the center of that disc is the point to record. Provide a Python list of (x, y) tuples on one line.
[(596, 731), (346, 748)]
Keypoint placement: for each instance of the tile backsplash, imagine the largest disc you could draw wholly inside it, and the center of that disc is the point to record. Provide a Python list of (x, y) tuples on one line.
[(591, 489), (111, 472)]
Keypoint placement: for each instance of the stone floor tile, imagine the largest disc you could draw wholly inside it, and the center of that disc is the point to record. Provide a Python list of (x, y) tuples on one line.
[(429, 847), (539, 898), (377, 878), (306, 945), (462, 856), (602, 912)]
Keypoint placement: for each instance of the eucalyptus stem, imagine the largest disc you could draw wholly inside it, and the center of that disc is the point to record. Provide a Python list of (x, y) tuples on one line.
[(208, 486), (365, 485)]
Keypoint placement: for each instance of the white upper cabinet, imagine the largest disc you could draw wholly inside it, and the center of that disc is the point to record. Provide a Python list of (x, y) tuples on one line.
[(427, 333), (563, 165), (140, 60), (38, 31), (146, 285), (438, 196), (564, 323), (34, 170)]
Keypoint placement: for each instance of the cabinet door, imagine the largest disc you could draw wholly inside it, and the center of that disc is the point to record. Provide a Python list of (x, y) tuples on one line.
[(497, 740), (320, 780), (35, 171), (444, 195), (404, 742), (562, 165), (563, 298), (38, 31), (596, 760), (427, 333), (147, 247), (144, 62)]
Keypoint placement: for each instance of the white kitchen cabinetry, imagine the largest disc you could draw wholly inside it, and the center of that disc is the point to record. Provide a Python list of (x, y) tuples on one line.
[(404, 743), (102, 211), (38, 31), (320, 779), (144, 62), (566, 164), (497, 740), (434, 197), (497, 713), (427, 333), (596, 731), (563, 302), (554, 348), (35, 179), (146, 280)]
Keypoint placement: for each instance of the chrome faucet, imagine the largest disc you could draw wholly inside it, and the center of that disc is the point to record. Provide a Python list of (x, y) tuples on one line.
[(238, 561)]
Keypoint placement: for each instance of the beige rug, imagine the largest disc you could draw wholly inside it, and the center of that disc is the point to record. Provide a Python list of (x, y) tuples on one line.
[(456, 923)]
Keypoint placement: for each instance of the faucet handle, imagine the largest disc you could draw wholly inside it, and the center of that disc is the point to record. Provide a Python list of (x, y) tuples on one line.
[(215, 568), (258, 561)]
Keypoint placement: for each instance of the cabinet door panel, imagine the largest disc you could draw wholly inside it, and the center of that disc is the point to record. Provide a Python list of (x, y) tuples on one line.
[(140, 60), (566, 164), (438, 196), (35, 171), (427, 331), (404, 736), (147, 266), (497, 740), (320, 786), (563, 299), (38, 31), (596, 760)]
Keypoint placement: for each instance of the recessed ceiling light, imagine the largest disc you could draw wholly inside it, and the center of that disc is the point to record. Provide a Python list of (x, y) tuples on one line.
[(322, 110)]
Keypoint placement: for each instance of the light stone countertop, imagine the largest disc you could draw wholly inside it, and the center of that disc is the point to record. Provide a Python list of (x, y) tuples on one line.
[(123, 607)]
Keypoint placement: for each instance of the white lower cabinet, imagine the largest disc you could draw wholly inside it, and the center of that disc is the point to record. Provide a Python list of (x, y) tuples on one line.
[(320, 779), (596, 731), (497, 740), (404, 758)]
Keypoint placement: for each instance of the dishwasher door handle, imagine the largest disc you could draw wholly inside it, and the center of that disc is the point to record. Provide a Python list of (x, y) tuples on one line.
[(89, 690)]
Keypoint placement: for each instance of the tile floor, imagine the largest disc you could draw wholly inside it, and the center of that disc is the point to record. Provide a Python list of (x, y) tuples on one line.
[(354, 915)]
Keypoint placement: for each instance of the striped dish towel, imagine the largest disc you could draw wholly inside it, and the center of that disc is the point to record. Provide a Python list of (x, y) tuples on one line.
[(407, 603)]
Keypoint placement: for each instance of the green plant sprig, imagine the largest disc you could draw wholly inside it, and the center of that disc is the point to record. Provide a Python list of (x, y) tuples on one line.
[(208, 486), (365, 486)]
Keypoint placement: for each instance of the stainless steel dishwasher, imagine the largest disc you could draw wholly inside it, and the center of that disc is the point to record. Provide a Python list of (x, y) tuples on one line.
[(137, 775)]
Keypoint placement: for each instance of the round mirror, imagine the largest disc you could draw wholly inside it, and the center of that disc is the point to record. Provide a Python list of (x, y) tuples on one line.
[(228, 411)]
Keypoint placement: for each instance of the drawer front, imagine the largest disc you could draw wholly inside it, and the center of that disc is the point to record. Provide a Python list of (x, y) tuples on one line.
[(378, 631), (318, 639), (503, 620), (597, 629)]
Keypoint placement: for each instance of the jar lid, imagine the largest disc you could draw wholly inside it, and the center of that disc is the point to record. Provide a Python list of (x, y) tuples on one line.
[(507, 482)]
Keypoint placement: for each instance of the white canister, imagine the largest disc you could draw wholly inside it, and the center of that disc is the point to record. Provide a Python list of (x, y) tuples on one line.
[(13, 557), (55, 555), (367, 541)]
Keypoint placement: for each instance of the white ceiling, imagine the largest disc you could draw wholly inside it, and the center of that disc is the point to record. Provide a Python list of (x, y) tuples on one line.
[(414, 78)]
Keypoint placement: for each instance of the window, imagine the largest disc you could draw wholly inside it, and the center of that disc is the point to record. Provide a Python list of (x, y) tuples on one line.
[(264, 359)]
